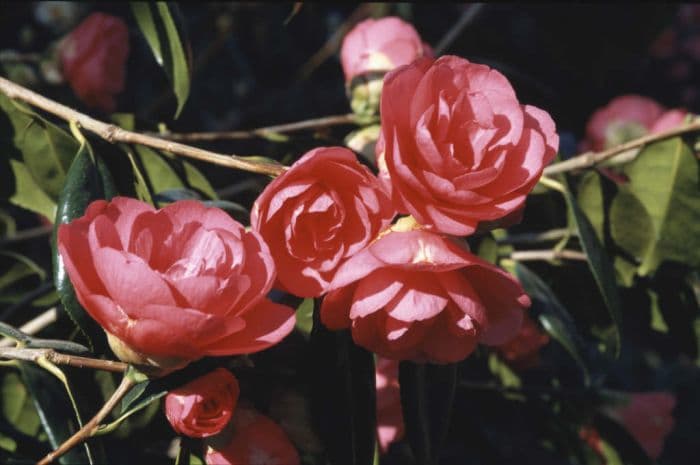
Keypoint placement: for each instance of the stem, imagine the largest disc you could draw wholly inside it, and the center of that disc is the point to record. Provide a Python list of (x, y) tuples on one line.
[(86, 431), (34, 325), (314, 123), (531, 255), (468, 15), (333, 42), (113, 134), (26, 234), (57, 358), (534, 238), (589, 159)]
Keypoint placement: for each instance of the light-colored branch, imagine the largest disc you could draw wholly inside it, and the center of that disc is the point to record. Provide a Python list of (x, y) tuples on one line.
[(535, 238), (34, 325), (26, 234), (86, 431), (468, 15), (315, 123), (590, 159), (547, 255), (33, 355), (113, 133)]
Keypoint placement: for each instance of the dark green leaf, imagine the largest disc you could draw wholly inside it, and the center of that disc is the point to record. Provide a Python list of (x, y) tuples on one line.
[(17, 405), (427, 397), (665, 180), (157, 23), (632, 230), (18, 275), (343, 396), (553, 316), (600, 265), (87, 180), (54, 408), (629, 450)]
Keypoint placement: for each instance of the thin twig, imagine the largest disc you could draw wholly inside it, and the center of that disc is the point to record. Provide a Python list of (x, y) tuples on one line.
[(333, 42), (26, 234), (13, 56), (589, 159), (534, 238), (547, 255), (315, 123), (86, 431), (34, 325), (113, 134), (468, 15), (57, 358)]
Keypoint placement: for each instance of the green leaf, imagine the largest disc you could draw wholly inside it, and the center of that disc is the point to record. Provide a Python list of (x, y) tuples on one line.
[(166, 173), (18, 275), (632, 230), (28, 194), (158, 26), (590, 199), (87, 180), (17, 406), (47, 150), (305, 317), (54, 409), (600, 265), (427, 397), (553, 316), (665, 180), (503, 372), (342, 396)]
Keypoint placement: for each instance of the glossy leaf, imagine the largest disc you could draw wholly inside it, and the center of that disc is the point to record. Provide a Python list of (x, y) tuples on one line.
[(343, 396), (600, 265), (553, 316), (665, 180), (17, 406), (27, 193), (157, 23), (87, 180), (54, 408), (427, 397), (47, 150)]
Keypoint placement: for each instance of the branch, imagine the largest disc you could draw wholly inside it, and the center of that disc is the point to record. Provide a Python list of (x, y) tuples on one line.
[(534, 238), (323, 122), (86, 431), (112, 133), (34, 325), (333, 42), (532, 255), (33, 355), (589, 159), (468, 15)]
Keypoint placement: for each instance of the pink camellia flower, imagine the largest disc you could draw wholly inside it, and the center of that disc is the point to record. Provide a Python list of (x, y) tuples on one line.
[(173, 285), (625, 118), (93, 59), (416, 295), (314, 216), (380, 45), (390, 425), (203, 407), (457, 147), (648, 418), (522, 351), (254, 440)]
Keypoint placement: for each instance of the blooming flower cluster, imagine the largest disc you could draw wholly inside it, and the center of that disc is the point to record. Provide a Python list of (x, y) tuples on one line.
[(457, 153)]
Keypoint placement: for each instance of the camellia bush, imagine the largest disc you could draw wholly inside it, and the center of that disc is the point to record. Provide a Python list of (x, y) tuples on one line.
[(440, 275)]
